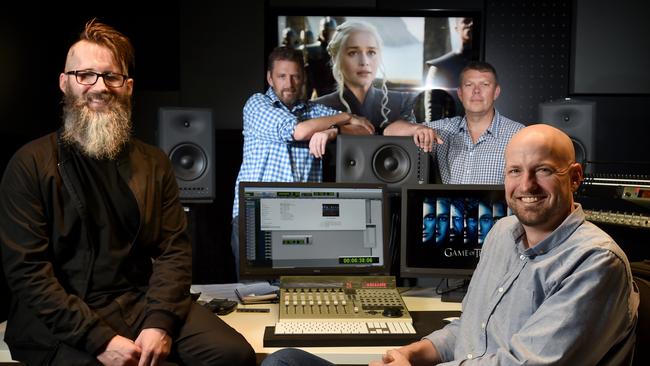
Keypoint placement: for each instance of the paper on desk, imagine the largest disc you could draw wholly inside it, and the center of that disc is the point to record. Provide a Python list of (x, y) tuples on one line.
[(216, 291), (252, 293), (222, 290)]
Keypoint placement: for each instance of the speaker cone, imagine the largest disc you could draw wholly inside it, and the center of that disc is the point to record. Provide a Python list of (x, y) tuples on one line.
[(189, 161), (391, 163)]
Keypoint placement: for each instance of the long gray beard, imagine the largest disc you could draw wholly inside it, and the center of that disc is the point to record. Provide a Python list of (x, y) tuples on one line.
[(99, 134)]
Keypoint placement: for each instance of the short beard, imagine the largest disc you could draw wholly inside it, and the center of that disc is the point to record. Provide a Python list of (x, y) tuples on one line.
[(99, 134), (532, 218)]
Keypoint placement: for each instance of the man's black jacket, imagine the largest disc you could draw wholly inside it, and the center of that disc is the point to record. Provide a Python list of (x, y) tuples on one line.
[(48, 253)]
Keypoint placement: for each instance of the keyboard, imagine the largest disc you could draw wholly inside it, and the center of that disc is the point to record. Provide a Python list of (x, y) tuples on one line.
[(345, 327), (424, 322)]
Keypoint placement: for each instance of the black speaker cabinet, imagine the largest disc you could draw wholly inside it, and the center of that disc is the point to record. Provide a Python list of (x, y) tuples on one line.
[(187, 136), (577, 118), (392, 160)]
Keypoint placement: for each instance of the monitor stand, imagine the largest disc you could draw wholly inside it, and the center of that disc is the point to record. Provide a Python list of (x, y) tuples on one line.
[(454, 293)]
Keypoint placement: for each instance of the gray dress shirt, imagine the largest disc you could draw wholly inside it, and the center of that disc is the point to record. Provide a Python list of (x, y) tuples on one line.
[(569, 300)]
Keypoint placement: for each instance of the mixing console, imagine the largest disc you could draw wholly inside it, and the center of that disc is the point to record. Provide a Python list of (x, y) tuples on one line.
[(341, 304)]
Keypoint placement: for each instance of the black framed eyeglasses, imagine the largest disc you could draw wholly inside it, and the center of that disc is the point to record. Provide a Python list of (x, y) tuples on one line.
[(87, 77)]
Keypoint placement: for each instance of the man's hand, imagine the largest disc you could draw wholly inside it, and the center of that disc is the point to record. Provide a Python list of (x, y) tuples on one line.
[(422, 352), (392, 357), (424, 137), (155, 344), (120, 351), (362, 122), (319, 140)]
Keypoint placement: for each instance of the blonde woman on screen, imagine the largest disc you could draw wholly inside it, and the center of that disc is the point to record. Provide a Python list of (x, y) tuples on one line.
[(356, 51)]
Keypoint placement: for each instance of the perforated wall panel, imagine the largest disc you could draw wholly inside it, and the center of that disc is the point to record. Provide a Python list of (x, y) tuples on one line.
[(529, 43)]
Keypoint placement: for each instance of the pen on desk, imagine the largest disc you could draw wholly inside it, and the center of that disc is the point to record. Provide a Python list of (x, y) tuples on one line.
[(253, 310)]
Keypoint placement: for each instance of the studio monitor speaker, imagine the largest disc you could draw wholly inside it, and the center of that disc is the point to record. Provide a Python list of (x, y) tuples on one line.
[(392, 160), (187, 136), (577, 118)]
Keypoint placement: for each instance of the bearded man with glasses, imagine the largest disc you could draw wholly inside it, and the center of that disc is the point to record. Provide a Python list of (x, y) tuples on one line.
[(94, 238)]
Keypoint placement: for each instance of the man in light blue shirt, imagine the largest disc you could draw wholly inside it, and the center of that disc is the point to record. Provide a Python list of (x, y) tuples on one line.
[(284, 136), (468, 149), (550, 288)]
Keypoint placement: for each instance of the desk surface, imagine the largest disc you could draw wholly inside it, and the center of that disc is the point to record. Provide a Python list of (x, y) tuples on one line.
[(252, 326)]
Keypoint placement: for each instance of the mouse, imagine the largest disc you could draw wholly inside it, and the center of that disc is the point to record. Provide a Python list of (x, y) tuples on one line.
[(449, 319), (221, 306), (392, 312)]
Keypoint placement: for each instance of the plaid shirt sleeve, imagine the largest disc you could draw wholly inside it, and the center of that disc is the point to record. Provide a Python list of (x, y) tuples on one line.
[(270, 152), (265, 120), (315, 110)]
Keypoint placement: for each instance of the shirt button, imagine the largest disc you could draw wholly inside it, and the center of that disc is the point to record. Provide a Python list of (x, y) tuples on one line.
[(469, 356), (522, 257), (500, 289), (482, 325)]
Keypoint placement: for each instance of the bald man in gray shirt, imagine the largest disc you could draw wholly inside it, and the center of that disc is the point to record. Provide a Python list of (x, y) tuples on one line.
[(550, 288)]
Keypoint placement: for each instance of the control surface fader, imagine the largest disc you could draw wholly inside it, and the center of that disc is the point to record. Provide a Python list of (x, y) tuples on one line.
[(341, 299)]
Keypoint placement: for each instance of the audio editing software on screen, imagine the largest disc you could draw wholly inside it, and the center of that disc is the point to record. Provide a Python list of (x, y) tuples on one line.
[(317, 229)]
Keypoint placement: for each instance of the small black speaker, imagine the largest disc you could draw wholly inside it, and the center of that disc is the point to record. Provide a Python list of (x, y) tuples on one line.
[(187, 136), (393, 160), (577, 118)]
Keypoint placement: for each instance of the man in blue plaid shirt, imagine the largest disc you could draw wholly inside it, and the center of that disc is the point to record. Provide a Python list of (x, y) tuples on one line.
[(285, 136), (469, 149)]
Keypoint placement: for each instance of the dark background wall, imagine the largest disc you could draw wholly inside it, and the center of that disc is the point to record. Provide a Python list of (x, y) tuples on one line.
[(202, 54)]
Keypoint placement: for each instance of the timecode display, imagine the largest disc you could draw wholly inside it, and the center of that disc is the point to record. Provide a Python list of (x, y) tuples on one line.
[(358, 260)]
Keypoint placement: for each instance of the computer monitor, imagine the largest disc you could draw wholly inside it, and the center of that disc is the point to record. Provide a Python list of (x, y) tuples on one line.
[(444, 226), (312, 228)]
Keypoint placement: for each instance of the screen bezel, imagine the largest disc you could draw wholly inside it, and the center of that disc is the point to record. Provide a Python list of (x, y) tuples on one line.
[(438, 190), (247, 272)]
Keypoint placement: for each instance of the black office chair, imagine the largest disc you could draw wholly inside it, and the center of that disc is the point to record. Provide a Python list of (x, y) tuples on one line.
[(4, 295), (641, 275)]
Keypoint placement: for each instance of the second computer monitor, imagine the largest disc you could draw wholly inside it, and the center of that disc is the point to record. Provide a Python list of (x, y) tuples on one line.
[(444, 227)]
